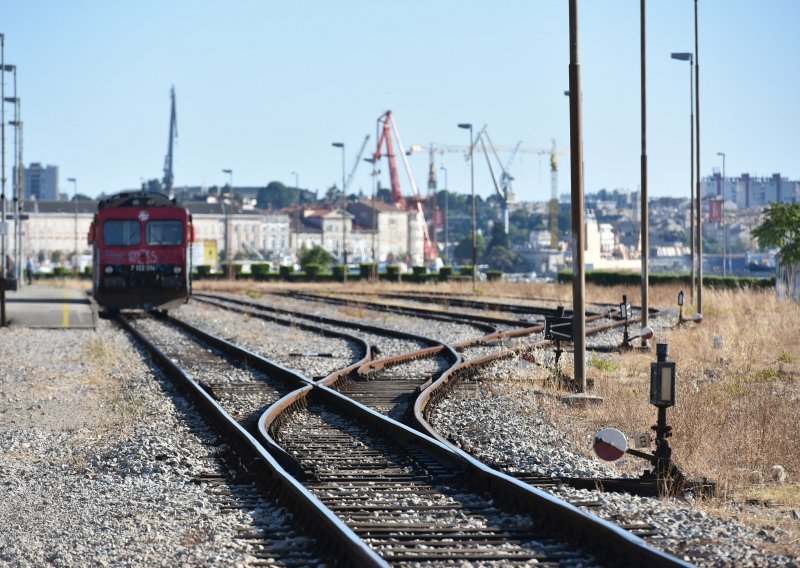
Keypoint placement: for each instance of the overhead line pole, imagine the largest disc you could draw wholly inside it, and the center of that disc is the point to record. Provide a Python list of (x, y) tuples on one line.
[(699, 203), (3, 178), (645, 225), (576, 157)]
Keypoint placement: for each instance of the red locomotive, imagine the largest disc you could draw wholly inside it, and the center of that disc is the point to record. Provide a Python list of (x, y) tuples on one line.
[(141, 251)]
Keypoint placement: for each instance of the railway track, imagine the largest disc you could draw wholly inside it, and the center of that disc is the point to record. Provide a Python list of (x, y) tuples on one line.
[(416, 502), (446, 481), (288, 511)]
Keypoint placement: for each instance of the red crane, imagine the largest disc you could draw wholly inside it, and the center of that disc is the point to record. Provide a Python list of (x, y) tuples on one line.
[(415, 202)]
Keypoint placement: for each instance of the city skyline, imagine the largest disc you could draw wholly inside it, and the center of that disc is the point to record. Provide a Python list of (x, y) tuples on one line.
[(264, 90)]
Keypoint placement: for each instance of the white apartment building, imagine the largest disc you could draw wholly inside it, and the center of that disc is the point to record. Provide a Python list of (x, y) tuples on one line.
[(748, 191)]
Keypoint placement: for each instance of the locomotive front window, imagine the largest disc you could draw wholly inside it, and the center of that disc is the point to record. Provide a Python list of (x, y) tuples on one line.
[(164, 233), (122, 233)]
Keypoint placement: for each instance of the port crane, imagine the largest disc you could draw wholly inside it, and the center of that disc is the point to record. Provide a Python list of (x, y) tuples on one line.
[(503, 184), (173, 135), (388, 130), (352, 173)]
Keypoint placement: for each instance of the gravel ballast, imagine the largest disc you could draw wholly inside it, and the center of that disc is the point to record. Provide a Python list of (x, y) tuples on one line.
[(99, 461)]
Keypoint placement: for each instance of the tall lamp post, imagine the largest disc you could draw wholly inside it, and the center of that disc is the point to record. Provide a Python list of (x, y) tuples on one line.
[(296, 215), (645, 226), (74, 182), (683, 56), (2, 182), (229, 272), (724, 234), (344, 217), (468, 126), (699, 202), (373, 275), (15, 182), (446, 199)]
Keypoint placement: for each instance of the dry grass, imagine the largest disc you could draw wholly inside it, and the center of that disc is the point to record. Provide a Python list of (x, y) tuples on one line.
[(738, 390)]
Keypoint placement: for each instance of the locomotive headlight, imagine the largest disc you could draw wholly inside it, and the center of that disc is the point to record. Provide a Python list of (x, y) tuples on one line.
[(109, 269), (176, 269)]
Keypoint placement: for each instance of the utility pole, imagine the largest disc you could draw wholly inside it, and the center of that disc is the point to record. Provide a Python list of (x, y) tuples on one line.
[(468, 126), (645, 225), (699, 203), (3, 179), (724, 234), (344, 216), (229, 271), (446, 235), (576, 158), (75, 199), (297, 216)]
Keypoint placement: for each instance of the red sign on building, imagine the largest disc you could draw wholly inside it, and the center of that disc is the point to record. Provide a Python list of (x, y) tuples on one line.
[(715, 210)]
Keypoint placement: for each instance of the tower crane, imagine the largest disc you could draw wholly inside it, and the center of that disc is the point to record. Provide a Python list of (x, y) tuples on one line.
[(355, 165), (553, 195), (415, 201), (173, 135)]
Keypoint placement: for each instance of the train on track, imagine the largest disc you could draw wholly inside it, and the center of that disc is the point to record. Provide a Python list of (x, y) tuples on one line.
[(141, 252)]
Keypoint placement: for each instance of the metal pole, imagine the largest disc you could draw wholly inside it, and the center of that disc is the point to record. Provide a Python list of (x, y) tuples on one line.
[(15, 180), (374, 270), (474, 213), (446, 236), (3, 178), (724, 235), (576, 159), (691, 185), (699, 203), (297, 215), (75, 199), (229, 271), (645, 224), (344, 223)]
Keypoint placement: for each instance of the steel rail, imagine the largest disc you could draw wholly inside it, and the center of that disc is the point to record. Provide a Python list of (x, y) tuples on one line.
[(619, 546), (349, 547)]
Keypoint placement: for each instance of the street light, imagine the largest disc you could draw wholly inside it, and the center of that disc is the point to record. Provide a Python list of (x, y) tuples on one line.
[(374, 269), (229, 272), (699, 202), (74, 182), (344, 217), (684, 56), (468, 126), (296, 214), (645, 221), (446, 199), (724, 234)]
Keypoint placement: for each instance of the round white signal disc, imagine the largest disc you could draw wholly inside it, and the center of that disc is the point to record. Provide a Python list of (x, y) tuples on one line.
[(610, 444)]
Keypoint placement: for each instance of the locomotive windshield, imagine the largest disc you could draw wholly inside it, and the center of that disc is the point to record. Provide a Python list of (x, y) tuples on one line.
[(164, 233), (122, 233)]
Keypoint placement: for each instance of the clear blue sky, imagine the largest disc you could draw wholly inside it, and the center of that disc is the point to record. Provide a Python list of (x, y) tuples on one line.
[(265, 87)]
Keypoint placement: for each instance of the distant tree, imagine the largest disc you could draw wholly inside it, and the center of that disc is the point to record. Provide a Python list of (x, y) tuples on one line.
[(316, 255), (463, 250), (384, 195), (275, 196), (498, 237), (153, 185), (781, 230), (502, 258), (56, 256), (333, 194), (80, 197)]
